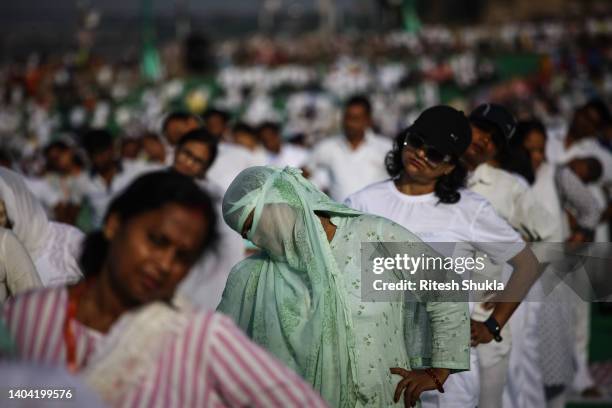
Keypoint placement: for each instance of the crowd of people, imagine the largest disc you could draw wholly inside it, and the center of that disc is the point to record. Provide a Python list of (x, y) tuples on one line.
[(211, 255)]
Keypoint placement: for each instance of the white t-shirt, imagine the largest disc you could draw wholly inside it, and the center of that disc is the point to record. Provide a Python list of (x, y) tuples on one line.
[(350, 170), (472, 219)]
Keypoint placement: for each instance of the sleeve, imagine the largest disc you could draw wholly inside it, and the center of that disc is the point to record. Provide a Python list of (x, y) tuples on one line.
[(246, 375), (318, 167), (21, 274), (353, 201), (447, 322), (450, 333), (531, 218), (578, 197), (492, 235)]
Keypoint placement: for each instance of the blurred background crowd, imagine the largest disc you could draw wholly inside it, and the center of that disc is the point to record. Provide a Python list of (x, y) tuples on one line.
[(108, 89)]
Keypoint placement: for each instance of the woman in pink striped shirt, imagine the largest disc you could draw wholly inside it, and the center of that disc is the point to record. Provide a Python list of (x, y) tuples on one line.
[(125, 334)]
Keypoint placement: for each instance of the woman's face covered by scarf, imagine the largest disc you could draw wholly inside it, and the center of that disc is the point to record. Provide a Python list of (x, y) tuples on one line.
[(263, 204), (282, 205), (278, 232)]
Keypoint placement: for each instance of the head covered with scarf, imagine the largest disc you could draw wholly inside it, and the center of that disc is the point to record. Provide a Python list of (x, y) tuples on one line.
[(287, 298)]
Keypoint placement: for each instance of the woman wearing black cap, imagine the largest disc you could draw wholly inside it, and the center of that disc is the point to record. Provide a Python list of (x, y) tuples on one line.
[(426, 196)]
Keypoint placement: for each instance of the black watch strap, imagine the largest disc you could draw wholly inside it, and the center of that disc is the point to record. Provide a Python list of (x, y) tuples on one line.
[(494, 328)]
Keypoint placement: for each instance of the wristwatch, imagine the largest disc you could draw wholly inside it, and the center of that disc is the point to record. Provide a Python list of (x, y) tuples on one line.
[(494, 328)]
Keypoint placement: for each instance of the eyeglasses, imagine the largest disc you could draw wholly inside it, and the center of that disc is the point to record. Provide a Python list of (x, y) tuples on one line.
[(433, 156), (192, 157)]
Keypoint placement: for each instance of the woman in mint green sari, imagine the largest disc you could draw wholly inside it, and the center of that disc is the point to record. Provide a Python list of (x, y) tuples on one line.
[(300, 297)]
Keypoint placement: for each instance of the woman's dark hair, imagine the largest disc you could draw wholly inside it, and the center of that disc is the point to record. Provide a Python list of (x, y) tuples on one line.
[(516, 158), (149, 192), (496, 134), (447, 186), (95, 141), (523, 128)]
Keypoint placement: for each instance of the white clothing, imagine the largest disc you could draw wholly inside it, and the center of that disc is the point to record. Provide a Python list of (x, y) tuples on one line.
[(232, 159), (289, 155), (349, 170), (525, 385), (99, 194), (472, 219), (204, 284), (513, 201), (53, 247), (492, 381), (517, 204), (17, 272), (49, 197), (583, 378)]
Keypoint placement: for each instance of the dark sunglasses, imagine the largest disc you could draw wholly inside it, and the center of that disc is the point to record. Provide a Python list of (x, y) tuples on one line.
[(432, 155)]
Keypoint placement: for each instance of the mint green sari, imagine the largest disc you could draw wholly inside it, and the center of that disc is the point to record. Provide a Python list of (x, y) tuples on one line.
[(299, 298)]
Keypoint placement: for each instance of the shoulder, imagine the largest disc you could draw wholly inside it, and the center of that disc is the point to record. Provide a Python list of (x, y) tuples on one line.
[(375, 228), (372, 190), (471, 199), (15, 307), (506, 180)]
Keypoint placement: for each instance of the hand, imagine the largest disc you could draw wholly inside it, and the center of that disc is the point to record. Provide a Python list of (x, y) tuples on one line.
[(479, 333), (415, 382)]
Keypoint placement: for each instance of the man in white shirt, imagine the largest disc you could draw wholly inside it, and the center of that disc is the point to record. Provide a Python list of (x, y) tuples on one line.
[(346, 163), (235, 157), (280, 154)]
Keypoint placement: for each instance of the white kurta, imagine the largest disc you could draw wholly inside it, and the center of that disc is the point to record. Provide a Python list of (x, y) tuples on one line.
[(349, 170)]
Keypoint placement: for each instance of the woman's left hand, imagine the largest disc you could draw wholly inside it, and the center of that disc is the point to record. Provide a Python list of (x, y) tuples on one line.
[(479, 333), (414, 382)]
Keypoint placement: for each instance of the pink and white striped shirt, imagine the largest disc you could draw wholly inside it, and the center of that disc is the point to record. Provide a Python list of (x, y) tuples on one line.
[(209, 364)]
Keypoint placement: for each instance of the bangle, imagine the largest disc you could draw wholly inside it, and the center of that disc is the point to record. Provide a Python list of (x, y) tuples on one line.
[(433, 376)]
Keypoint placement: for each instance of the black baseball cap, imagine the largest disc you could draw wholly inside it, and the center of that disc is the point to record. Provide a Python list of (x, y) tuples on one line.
[(495, 115), (444, 128)]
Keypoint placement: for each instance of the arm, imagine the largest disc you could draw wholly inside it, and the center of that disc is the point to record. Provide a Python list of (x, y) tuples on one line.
[(450, 352), (526, 272), (449, 323)]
